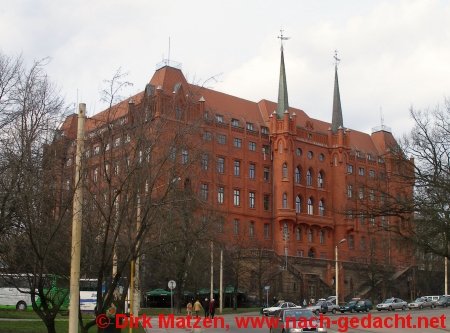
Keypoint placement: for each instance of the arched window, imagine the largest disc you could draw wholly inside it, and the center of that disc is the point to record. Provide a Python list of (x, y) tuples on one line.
[(309, 177), (297, 175), (321, 208), (298, 204), (322, 237), (320, 180), (298, 233), (310, 206), (310, 235), (285, 170), (285, 201)]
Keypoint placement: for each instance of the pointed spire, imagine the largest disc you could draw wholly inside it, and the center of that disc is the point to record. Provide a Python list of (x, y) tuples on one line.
[(283, 104), (337, 120)]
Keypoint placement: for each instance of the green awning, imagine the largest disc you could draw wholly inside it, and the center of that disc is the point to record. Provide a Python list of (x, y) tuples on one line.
[(158, 292)]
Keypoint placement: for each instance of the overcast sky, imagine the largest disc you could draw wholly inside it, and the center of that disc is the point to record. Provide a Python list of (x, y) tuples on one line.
[(394, 54)]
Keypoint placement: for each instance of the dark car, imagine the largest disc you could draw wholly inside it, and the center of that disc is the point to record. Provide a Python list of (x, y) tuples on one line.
[(349, 307), (364, 305), (443, 301), (296, 320)]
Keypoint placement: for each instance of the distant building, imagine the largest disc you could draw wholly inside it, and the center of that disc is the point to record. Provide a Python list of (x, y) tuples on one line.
[(294, 185)]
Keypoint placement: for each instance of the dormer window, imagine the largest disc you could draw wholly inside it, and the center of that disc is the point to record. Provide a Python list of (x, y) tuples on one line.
[(234, 122), (250, 127), (264, 130)]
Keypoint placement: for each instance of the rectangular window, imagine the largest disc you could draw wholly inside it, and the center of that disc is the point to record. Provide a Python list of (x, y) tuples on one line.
[(237, 142), (264, 130), (237, 168), (219, 118), (372, 195), (266, 174), (266, 230), (361, 193), (234, 122), (96, 150), (237, 197), (184, 156), (221, 165), (266, 201), (251, 229), (236, 226), (117, 142), (220, 194), (349, 169), (252, 171), (251, 199), (205, 162), (204, 191), (250, 127), (361, 171), (252, 146), (207, 136), (372, 173), (349, 191), (221, 139)]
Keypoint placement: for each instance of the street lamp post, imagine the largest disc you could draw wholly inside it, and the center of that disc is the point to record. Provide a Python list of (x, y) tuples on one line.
[(337, 269)]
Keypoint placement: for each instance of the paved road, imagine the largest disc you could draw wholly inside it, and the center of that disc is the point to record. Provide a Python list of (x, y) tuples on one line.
[(437, 317)]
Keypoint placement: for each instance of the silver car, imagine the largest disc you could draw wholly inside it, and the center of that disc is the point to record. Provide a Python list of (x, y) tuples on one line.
[(392, 304), (297, 320), (420, 303), (273, 310)]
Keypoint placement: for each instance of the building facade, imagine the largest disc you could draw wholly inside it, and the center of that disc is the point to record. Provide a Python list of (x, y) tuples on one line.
[(287, 183)]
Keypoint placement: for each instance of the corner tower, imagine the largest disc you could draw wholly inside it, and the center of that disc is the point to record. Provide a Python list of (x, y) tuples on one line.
[(282, 135)]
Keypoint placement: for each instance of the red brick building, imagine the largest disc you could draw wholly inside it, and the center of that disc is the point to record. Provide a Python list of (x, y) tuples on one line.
[(296, 184)]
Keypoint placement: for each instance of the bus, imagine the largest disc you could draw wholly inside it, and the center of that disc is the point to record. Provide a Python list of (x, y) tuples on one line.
[(15, 291)]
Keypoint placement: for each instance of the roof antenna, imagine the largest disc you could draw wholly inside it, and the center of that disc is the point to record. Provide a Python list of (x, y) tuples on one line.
[(168, 57), (381, 117)]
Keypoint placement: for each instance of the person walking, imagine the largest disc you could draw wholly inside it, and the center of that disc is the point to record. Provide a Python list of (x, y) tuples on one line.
[(189, 308), (212, 308), (206, 307), (197, 307)]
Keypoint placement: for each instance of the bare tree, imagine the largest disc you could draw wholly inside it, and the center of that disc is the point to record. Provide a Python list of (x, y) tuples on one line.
[(33, 227)]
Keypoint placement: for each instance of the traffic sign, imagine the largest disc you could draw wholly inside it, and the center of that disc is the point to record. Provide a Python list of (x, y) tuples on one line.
[(172, 284)]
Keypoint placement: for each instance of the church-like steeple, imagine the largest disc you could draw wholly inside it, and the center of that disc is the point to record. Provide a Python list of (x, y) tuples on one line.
[(283, 104), (337, 120)]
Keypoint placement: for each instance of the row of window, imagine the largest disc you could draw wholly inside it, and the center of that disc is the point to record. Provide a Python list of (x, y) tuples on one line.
[(236, 123), (309, 176), (237, 142), (237, 194), (362, 172), (298, 231), (309, 154), (237, 164), (362, 192)]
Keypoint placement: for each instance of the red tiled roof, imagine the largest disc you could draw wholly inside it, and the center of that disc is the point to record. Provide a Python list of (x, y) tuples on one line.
[(229, 106)]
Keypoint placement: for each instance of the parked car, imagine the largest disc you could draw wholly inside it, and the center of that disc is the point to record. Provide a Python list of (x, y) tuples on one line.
[(391, 304), (323, 306), (420, 303), (301, 317), (273, 310), (363, 305), (432, 299), (349, 307), (443, 301)]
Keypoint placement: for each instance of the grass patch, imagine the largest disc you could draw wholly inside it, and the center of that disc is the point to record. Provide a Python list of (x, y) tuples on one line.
[(39, 327), (158, 311)]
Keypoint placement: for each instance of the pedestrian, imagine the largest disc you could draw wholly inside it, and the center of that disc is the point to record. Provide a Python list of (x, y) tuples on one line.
[(206, 307), (212, 308), (197, 307), (189, 308)]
